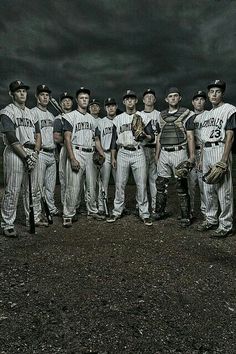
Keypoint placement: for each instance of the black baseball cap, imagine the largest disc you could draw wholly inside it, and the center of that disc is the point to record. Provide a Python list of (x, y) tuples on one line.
[(16, 85), (82, 90), (217, 83), (149, 91), (199, 94), (109, 101), (42, 88), (129, 93), (94, 101), (65, 95), (172, 90)]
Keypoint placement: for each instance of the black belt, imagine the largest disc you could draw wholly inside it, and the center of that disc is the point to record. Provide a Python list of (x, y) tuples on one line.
[(150, 146), (47, 150), (131, 148), (173, 148), (29, 146), (84, 149), (107, 150), (216, 143)]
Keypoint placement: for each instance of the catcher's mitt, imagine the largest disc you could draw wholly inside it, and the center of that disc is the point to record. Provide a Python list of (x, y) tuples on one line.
[(137, 127), (183, 168), (98, 159), (216, 173)]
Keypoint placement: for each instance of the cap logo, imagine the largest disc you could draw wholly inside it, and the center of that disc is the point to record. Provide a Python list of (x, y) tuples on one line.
[(43, 86), (217, 81), (109, 99), (65, 93), (19, 82), (199, 92), (81, 88), (128, 91)]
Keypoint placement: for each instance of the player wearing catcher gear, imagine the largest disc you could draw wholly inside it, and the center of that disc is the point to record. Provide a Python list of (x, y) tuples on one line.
[(195, 176), (216, 134), (21, 135), (94, 108), (130, 155), (104, 135), (66, 103), (150, 114), (47, 160), (174, 141), (79, 134)]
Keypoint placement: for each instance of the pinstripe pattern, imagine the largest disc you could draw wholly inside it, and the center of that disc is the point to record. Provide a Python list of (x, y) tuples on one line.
[(105, 174), (168, 160), (62, 171)]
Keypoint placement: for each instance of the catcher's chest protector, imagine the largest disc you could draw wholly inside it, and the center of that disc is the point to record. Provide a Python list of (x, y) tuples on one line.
[(172, 129)]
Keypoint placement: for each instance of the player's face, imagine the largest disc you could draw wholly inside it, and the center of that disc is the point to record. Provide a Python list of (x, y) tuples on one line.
[(66, 104), (215, 95), (199, 103), (43, 98), (94, 108), (149, 99), (83, 100), (20, 96), (173, 99), (130, 102), (111, 110)]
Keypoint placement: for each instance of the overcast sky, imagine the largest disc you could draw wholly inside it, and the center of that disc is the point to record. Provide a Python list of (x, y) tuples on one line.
[(114, 45)]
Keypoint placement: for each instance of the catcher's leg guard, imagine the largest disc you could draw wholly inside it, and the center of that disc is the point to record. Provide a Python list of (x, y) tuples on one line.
[(161, 197), (184, 199)]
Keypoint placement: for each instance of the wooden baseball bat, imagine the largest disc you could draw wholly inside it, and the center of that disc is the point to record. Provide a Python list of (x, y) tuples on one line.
[(104, 197), (46, 208), (31, 207), (56, 105)]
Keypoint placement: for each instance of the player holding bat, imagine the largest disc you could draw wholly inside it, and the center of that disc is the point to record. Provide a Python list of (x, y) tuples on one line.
[(22, 138)]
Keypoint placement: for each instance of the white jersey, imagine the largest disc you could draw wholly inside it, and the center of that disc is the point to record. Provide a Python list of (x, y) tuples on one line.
[(198, 120), (105, 126), (212, 129), (154, 117), (83, 128), (23, 121), (46, 120), (123, 129)]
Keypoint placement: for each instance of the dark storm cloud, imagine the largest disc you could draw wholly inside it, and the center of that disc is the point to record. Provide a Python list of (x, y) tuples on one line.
[(110, 46)]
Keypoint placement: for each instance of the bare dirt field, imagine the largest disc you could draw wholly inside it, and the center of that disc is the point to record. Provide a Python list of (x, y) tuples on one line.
[(117, 288)]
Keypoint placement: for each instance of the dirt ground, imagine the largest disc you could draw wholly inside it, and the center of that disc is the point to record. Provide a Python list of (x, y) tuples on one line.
[(117, 288)]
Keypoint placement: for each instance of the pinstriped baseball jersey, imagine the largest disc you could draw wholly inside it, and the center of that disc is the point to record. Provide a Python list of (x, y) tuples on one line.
[(105, 127), (23, 121), (198, 120), (123, 129), (46, 121), (82, 127), (212, 128), (154, 117)]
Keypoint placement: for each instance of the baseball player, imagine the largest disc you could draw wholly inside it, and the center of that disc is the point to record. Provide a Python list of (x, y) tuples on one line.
[(216, 134), (66, 103), (47, 160), (21, 135), (79, 134), (94, 108), (195, 176), (150, 114), (104, 134), (175, 138), (130, 155)]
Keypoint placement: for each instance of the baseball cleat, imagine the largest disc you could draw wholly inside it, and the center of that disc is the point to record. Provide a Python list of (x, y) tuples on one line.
[(10, 233), (41, 223), (96, 216), (113, 218), (67, 222), (205, 226), (220, 233), (147, 222)]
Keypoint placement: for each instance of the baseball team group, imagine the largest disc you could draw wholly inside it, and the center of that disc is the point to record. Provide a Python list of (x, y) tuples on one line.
[(177, 139)]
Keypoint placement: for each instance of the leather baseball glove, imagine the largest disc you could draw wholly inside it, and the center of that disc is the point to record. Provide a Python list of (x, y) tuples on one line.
[(98, 159), (183, 168), (216, 173), (137, 127)]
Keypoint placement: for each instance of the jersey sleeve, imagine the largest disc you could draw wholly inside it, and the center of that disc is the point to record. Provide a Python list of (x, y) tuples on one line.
[(189, 124), (67, 126), (37, 127), (7, 124), (231, 122), (114, 138), (98, 132), (57, 126)]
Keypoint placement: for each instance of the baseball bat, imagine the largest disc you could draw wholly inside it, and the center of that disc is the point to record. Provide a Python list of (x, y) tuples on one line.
[(46, 208), (56, 105), (31, 207), (104, 197)]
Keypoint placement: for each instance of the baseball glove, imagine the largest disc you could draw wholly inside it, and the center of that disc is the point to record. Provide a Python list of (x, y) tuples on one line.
[(98, 159), (183, 168), (137, 127), (216, 173)]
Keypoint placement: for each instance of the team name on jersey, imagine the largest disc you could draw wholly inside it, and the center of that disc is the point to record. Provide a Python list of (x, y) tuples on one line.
[(83, 126), (125, 128), (46, 123), (24, 122), (211, 122), (107, 130)]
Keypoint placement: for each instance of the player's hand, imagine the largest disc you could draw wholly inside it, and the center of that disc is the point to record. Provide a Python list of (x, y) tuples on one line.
[(31, 160), (75, 165), (199, 166), (113, 163)]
